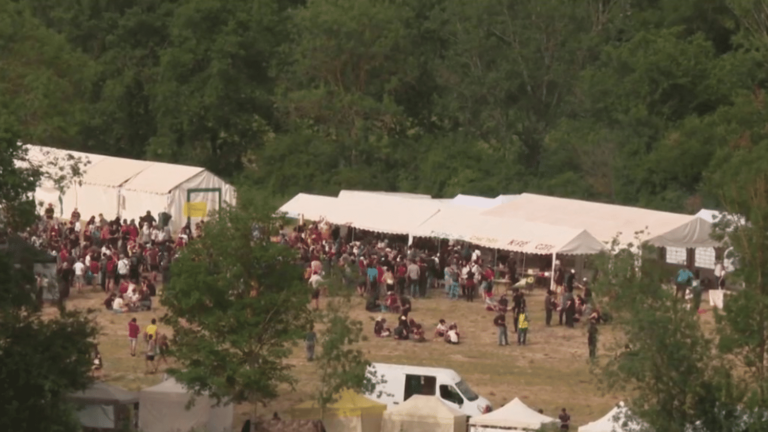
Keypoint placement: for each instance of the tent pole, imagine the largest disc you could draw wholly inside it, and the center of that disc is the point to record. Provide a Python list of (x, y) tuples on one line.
[(495, 258), (552, 275)]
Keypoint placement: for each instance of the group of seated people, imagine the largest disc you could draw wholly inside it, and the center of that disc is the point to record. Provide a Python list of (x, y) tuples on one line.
[(587, 309), (392, 303), (449, 333), (131, 298), (407, 329)]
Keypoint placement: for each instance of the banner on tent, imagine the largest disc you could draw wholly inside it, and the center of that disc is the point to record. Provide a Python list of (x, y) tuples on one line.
[(196, 209)]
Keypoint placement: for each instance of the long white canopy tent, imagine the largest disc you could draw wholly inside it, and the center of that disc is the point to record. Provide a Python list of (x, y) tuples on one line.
[(129, 188), (607, 221), (382, 213), (312, 207), (467, 224)]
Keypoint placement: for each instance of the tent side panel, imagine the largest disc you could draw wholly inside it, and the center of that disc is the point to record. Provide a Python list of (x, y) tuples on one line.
[(166, 412), (217, 192), (135, 204), (220, 418), (97, 416), (91, 200)]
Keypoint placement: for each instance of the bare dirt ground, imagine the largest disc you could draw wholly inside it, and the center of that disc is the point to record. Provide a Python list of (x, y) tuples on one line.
[(551, 372)]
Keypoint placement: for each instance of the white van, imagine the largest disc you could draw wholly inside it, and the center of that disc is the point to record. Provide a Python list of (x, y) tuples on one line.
[(397, 383)]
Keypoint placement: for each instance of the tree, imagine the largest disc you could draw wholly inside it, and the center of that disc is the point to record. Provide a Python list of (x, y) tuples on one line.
[(41, 359), (236, 303), (664, 359), (340, 365)]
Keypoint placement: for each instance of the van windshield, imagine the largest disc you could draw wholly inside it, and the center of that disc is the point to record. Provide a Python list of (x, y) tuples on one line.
[(466, 391)]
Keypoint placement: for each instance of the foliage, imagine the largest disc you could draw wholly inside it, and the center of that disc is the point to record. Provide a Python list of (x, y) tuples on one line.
[(670, 369), (340, 365), (236, 304)]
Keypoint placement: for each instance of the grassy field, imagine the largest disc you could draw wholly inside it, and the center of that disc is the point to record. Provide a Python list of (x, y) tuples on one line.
[(551, 372)]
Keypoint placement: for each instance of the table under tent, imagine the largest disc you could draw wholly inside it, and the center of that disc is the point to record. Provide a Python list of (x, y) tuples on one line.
[(104, 407), (424, 414), (512, 417), (351, 412)]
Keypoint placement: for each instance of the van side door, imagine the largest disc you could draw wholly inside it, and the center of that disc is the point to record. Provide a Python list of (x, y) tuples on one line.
[(419, 385), (450, 395)]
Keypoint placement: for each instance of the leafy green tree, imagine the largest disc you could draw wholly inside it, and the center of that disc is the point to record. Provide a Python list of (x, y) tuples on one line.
[(668, 367), (41, 359), (340, 365), (236, 304)]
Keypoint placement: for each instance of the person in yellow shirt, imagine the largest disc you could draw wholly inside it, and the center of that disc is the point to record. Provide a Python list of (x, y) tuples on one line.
[(522, 327), (151, 330)]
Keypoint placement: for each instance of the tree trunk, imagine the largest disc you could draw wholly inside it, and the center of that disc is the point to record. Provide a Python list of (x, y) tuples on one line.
[(253, 416)]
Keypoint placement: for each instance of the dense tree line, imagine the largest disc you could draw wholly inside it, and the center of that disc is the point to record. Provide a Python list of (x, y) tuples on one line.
[(625, 101)]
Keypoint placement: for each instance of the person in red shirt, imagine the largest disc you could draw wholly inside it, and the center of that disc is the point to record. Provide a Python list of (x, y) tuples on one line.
[(133, 335), (95, 268), (133, 230)]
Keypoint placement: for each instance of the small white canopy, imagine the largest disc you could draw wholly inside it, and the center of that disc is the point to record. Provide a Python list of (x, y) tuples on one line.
[(619, 419), (606, 221), (388, 214), (312, 207), (513, 416), (423, 414), (467, 224), (162, 408)]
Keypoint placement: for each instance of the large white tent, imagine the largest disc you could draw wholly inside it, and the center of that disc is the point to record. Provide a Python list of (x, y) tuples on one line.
[(607, 221), (311, 207), (129, 188), (466, 224), (389, 214), (163, 408), (619, 419), (424, 414), (514, 416)]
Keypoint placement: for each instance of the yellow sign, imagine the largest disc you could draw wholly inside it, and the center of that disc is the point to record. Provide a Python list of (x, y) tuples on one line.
[(196, 209)]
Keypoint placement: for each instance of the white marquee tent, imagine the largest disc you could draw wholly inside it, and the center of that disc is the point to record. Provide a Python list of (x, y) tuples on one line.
[(423, 414), (311, 207), (103, 406), (389, 214), (619, 419), (129, 188), (162, 408), (514, 416), (466, 224), (481, 202), (606, 221)]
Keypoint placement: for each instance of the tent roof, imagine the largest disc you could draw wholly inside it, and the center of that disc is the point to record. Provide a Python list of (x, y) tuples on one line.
[(161, 178), (619, 419), (383, 213), (113, 172), (109, 171), (419, 407), (313, 207), (467, 224), (170, 385), (352, 193), (349, 404), (474, 201), (606, 221), (515, 414), (101, 393)]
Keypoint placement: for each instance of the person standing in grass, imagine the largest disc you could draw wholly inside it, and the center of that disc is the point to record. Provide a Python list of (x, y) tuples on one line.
[(565, 420), (501, 323), (592, 340), (549, 305), (151, 352), (696, 289), (309, 342), (522, 327), (133, 335)]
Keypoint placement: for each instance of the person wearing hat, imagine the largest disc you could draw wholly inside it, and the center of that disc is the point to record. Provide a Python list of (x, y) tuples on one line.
[(587, 291)]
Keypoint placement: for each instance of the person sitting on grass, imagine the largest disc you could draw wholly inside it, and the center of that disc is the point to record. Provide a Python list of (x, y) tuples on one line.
[(379, 328), (441, 329), (118, 305), (392, 302), (452, 335), (401, 332), (418, 333)]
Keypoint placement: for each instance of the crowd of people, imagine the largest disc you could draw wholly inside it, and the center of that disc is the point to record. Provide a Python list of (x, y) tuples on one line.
[(389, 274)]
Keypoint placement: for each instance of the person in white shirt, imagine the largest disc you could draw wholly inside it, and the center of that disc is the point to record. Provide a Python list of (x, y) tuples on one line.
[(118, 306), (315, 281), (79, 268), (123, 267)]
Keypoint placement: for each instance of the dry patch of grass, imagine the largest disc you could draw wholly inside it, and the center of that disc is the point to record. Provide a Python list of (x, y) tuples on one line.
[(551, 372)]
